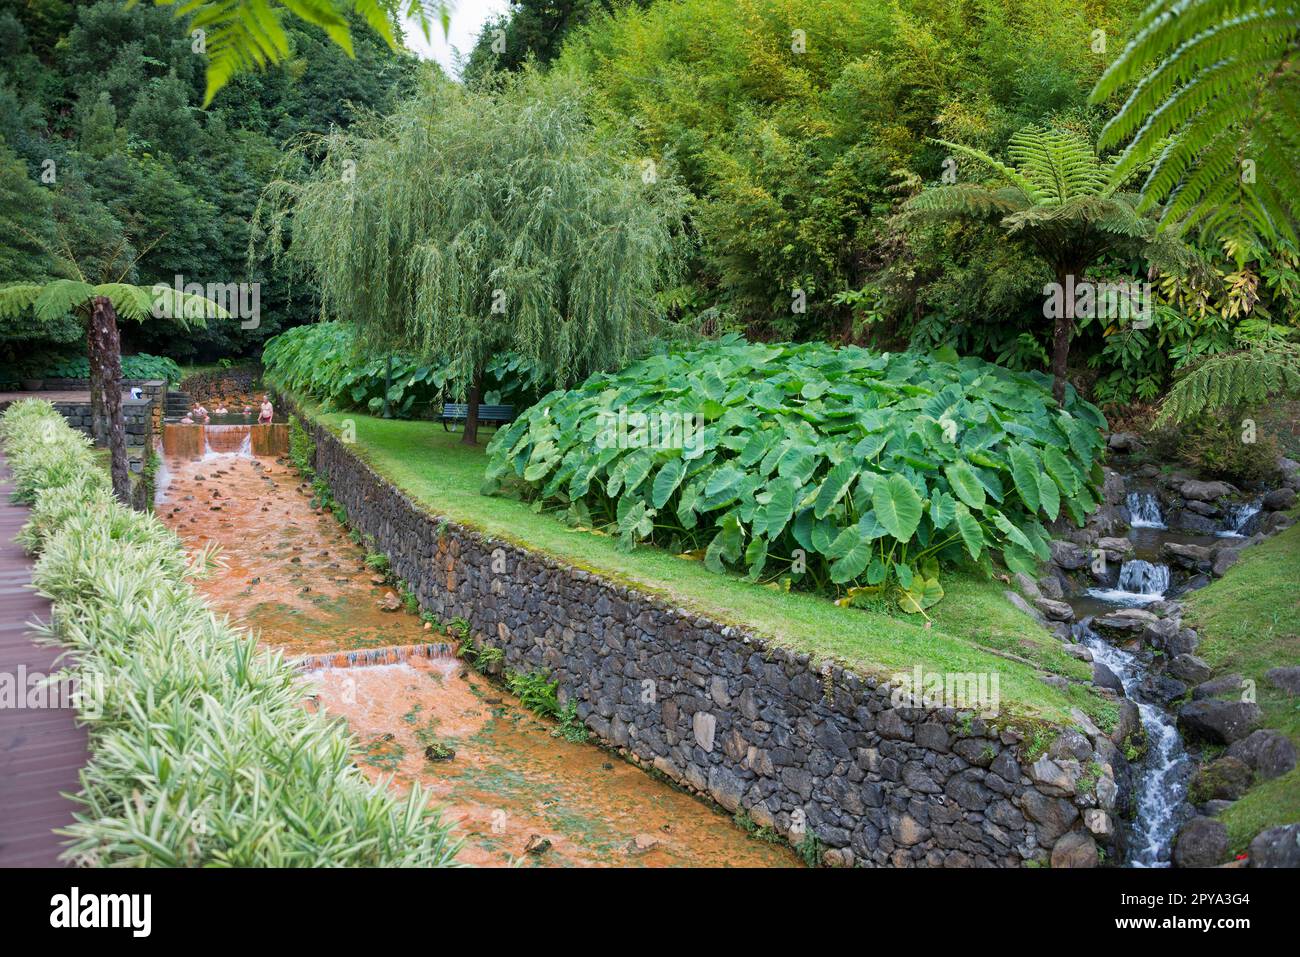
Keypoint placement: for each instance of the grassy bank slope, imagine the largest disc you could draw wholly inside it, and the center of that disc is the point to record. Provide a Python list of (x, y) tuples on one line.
[(975, 628), (1249, 622)]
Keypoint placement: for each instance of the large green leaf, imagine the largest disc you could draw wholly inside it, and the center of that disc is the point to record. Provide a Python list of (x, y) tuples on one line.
[(968, 526), (666, 481), (834, 486), (1025, 472), (897, 507), (775, 515), (965, 484), (852, 563)]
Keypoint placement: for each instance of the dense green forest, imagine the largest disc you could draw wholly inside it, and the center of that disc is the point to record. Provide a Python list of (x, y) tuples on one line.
[(803, 132), (104, 146), (803, 127)]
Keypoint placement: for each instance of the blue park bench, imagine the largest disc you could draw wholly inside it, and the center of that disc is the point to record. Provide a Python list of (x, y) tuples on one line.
[(455, 413)]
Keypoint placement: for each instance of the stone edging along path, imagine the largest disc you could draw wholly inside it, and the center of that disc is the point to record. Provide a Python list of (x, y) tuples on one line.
[(811, 750)]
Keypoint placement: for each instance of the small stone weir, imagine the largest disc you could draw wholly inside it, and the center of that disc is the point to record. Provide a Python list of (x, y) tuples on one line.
[(191, 443), (363, 657)]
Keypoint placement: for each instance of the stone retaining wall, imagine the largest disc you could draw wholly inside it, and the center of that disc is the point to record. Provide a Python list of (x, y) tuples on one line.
[(802, 746)]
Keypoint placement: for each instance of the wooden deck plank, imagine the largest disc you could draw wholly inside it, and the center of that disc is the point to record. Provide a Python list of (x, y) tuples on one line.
[(41, 750)]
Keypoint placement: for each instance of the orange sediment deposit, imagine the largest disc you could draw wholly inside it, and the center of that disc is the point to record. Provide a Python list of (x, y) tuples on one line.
[(515, 789)]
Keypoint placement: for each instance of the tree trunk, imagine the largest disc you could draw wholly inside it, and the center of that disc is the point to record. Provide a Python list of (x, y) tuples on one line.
[(106, 347), (98, 422), (1061, 334), (388, 381), (471, 414)]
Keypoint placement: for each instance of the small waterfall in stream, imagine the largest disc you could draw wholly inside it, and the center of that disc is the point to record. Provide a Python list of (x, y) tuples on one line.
[(1144, 578), (1140, 583), (1163, 773), (227, 440), (1237, 518), (1144, 509)]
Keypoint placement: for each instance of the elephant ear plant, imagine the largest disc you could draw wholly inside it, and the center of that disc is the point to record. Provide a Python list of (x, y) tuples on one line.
[(843, 471)]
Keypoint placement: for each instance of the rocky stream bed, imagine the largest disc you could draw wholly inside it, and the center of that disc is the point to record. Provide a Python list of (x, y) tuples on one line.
[(1192, 740)]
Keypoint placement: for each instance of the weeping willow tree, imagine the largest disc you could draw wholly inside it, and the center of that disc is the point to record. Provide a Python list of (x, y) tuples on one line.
[(471, 222)]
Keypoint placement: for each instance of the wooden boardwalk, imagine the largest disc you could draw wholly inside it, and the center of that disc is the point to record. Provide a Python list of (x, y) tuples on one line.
[(41, 750)]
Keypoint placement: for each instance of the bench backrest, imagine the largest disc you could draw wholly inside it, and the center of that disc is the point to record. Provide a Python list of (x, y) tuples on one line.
[(460, 410)]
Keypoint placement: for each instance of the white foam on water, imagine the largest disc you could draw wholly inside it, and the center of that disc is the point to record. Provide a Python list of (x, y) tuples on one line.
[(1144, 510), (1162, 779), (1237, 517)]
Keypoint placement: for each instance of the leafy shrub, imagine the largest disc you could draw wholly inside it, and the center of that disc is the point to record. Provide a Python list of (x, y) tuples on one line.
[(535, 692), (825, 468), (325, 360), (65, 365), (1214, 445), (200, 751)]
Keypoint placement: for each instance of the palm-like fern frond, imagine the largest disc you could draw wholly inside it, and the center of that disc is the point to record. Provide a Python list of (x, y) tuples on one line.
[(55, 299), (245, 35), (60, 297), (1057, 181), (1061, 164), (129, 302), (16, 298), (967, 199), (187, 309), (1233, 379), (1215, 108)]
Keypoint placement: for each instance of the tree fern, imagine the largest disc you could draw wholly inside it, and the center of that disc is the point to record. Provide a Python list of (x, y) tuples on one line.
[(1064, 201), (1215, 108)]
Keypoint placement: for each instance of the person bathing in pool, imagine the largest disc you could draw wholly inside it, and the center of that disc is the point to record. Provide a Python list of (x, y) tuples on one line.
[(267, 410)]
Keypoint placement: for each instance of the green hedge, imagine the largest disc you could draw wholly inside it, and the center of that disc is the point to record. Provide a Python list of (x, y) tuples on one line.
[(841, 470), (69, 365), (201, 753)]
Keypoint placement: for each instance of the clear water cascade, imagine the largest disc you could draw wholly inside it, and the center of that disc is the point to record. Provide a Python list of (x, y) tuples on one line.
[(1144, 509), (1162, 775), (1140, 583), (1234, 525)]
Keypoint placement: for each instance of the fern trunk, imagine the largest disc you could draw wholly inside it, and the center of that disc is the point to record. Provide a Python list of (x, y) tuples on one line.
[(1061, 334), (98, 420), (106, 350)]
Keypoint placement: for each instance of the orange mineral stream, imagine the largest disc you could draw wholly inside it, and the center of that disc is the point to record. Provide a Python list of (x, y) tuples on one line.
[(292, 574)]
